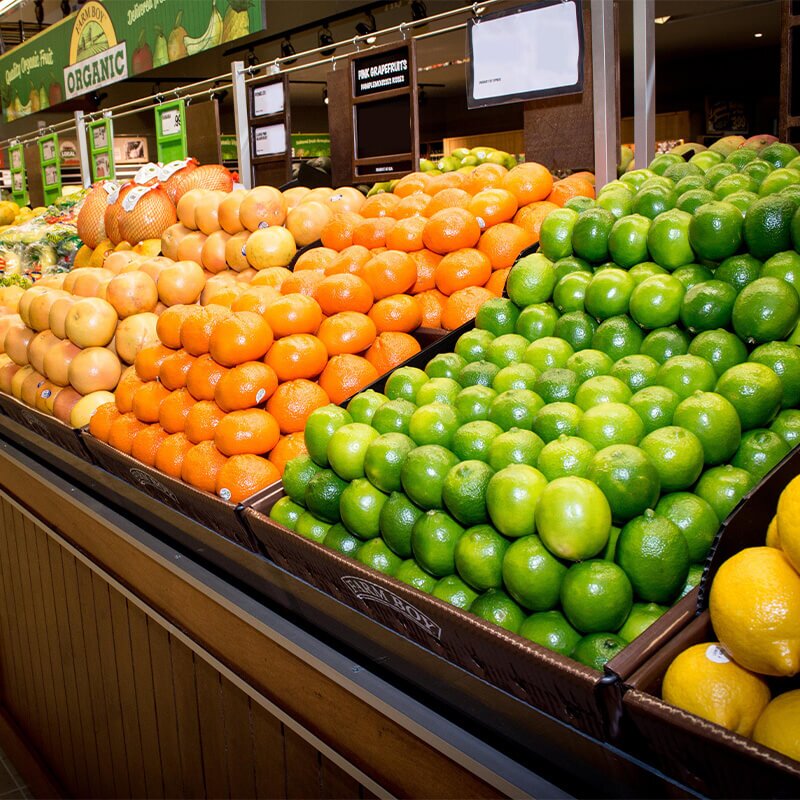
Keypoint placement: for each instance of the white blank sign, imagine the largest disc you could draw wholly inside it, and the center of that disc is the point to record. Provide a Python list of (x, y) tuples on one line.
[(535, 51), (270, 140)]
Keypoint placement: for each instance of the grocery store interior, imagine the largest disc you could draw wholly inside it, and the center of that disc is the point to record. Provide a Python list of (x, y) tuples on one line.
[(399, 398)]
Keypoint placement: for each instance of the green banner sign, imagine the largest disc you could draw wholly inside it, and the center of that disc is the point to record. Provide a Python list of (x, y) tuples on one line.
[(50, 159), (100, 134), (102, 44), (311, 145), (19, 181)]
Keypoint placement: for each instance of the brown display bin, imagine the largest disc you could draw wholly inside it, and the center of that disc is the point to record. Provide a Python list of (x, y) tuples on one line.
[(559, 686), (46, 426)]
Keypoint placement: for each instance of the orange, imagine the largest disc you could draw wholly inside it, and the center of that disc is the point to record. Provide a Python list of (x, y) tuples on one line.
[(290, 446), (570, 187), (346, 375), (315, 258), (169, 324), (448, 198), (484, 176), (201, 465), (202, 421), (294, 313), (198, 325), (390, 350), (256, 298), (463, 268), (414, 183), (492, 206), (343, 292), (463, 305), (203, 376), (146, 444), (398, 312), (250, 430), (293, 401), (497, 283), (379, 205), (372, 232), (503, 243), (243, 476), (531, 216), (148, 361), (426, 261), (347, 332), (174, 369), (412, 205), (173, 411), (245, 386), (587, 176), (300, 355), (243, 336), (528, 182), (431, 304), (389, 272), (304, 282), (171, 453), (127, 386), (271, 276), (451, 229), (338, 233), (224, 296), (351, 259), (103, 417), (147, 401), (406, 235), (122, 432), (449, 180)]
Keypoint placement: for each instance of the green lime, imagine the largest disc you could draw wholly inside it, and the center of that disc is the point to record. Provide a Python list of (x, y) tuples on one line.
[(397, 519), (532, 575), (577, 329), (423, 474), (760, 452), (565, 456), (360, 506), (795, 228), (597, 649), (557, 419), (784, 360), (618, 203), (445, 365), (532, 279), (720, 348), (454, 591), (363, 406), (550, 629), (579, 203), (299, 471), (473, 345), (692, 274), (438, 390), (785, 266), (548, 352), (474, 402), (433, 542), (627, 241), (322, 495), (655, 556), (742, 156), (787, 426), (694, 517), (497, 607), (715, 230), (656, 301), (688, 182), (732, 184), (464, 491), (655, 406), (691, 200), (516, 446), (778, 180), (708, 305), (338, 538), (590, 234), (515, 376), (723, 488), (472, 440), (714, 421), (611, 423), (664, 343), (596, 595), (309, 527), (618, 337), (642, 616), (662, 162), (767, 226), (479, 557), (412, 573), (478, 373), (692, 579), (718, 172), (435, 423), (686, 375), (511, 499), (347, 449), (742, 200), (573, 518), (678, 171), (601, 389), (568, 265), (555, 236), (644, 270), (778, 154), (570, 292), (636, 372), (286, 512), (609, 293), (498, 316), (677, 455), (404, 383), (557, 385), (754, 390), (384, 460), (507, 349), (757, 169), (668, 239), (537, 321), (376, 555), (588, 363), (393, 417), (320, 426), (627, 477), (738, 271), (515, 408)]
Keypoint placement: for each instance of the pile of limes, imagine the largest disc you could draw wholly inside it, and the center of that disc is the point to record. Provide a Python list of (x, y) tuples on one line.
[(564, 471)]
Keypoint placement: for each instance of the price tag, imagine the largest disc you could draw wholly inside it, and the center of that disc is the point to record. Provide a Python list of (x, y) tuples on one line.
[(270, 140), (16, 181), (48, 150), (16, 159), (50, 175), (102, 167), (268, 99), (100, 137), (171, 122)]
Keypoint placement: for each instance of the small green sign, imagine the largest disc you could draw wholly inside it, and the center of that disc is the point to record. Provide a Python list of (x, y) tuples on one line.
[(101, 149), (19, 181), (311, 145), (171, 131), (50, 159)]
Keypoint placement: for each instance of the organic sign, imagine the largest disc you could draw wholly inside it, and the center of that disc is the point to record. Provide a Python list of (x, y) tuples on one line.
[(50, 158), (102, 44), (101, 149)]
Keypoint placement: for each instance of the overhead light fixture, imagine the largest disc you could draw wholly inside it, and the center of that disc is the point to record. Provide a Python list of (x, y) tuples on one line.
[(418, 10), (39, 11), (252, 60), (325, 37), (758, 35), (287, 50), (662, 20), (366, 28), (325, 95)]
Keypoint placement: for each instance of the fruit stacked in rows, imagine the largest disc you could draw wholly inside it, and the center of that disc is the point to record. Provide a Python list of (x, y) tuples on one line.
[(463, 158), (755, 612)]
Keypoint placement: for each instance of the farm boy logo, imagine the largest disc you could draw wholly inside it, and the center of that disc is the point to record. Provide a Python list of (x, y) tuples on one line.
[(95, 57)]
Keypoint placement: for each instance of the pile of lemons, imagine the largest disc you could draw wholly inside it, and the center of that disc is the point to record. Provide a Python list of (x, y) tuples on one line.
[(12, 214)]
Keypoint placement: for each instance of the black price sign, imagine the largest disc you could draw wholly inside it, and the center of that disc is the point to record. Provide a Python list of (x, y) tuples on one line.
[(382, 72)]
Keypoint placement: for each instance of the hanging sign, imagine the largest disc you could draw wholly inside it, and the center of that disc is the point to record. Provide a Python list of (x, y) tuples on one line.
[(269, 126), (171, 131), (50, 159), (19, 182), (382, 72), (101, 149)]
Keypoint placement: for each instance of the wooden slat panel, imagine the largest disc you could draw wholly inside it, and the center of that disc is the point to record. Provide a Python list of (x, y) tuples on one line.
[(10, 654), (303, 776), (337, 783), (239, 741), (268, 744), (212, 731)]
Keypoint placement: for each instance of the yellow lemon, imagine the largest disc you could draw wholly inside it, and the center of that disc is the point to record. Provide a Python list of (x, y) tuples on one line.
[(703, 680), (773, 535), (778, 726), (789, 522), (755, 611)]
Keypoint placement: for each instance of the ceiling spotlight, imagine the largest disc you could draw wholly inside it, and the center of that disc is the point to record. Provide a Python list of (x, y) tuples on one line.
[(366, 28), (252, 60), (418, 10), (662, 20), (325, 95), (39, 11), (65, 9), (758, 35), (325, 37), (287, 50)]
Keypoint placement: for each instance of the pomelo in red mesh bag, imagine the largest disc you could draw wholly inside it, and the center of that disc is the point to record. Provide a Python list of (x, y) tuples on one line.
[(146, 213)]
